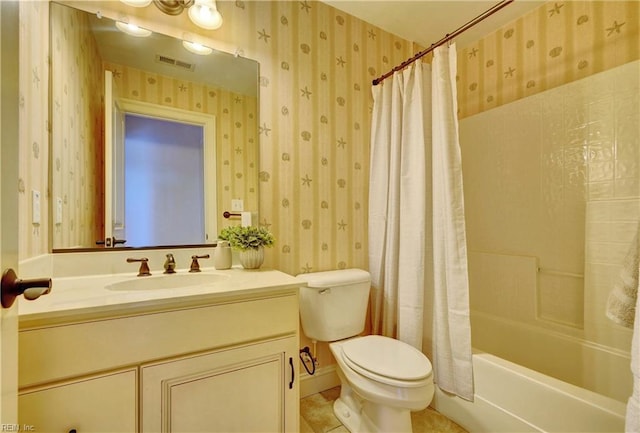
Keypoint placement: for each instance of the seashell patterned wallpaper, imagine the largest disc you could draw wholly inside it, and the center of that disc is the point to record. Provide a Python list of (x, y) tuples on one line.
[(555, 44), (77, 122), (316, 67), (33, 127)]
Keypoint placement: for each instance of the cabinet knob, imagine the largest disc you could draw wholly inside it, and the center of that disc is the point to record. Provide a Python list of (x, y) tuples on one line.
[(11, 287)]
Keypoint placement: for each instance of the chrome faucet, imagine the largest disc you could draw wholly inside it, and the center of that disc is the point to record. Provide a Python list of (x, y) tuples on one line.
[(170, 264)]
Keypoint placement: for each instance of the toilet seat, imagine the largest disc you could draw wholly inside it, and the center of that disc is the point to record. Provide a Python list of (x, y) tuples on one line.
[(386, 360)]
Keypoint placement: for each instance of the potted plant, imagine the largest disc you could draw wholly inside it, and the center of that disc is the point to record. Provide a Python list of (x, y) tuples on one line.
[(250, 242)]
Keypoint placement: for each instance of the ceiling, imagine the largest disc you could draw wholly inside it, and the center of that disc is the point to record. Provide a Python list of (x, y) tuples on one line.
[(428, 21)]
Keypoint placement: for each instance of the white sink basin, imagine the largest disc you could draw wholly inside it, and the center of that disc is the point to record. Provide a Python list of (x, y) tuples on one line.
[(166, 281)]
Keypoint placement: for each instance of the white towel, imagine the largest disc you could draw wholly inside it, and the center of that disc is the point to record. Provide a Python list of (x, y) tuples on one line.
[(632, 420), (621, 305)]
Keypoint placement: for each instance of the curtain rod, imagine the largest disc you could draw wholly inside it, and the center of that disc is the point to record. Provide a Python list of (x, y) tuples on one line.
[(447, 38)]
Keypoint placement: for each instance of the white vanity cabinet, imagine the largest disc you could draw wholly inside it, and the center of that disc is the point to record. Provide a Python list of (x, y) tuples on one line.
[(105, 403), (220, 364), (244, 389)]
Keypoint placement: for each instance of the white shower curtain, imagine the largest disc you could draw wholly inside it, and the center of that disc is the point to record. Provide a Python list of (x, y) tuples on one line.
[(417, 242)]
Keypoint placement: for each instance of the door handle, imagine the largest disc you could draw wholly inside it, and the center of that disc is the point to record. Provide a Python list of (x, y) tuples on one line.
[(111, 242), (11, 287)]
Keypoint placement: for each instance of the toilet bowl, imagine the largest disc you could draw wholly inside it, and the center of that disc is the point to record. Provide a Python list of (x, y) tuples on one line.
[(382, 379)]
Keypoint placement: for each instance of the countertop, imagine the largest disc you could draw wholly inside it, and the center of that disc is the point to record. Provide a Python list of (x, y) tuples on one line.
[(86, 298)]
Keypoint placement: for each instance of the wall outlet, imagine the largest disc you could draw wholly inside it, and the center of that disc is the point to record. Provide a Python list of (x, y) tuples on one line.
[(237, 205), (35, 207)]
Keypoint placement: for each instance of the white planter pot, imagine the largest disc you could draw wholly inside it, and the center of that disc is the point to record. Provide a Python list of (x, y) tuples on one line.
[(252, 259)]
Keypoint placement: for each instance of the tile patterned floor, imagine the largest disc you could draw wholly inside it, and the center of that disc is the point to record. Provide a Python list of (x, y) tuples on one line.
[(316, 416)]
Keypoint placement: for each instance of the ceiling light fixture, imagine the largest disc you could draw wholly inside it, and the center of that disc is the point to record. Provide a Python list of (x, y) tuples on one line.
[(197, 48), (132, 29), (203, 13)]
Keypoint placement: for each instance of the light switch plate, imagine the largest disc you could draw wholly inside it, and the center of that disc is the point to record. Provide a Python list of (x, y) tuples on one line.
[(35, 207), (237, 205)]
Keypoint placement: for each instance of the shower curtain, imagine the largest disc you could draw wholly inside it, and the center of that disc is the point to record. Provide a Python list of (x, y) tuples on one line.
[(417, 242)]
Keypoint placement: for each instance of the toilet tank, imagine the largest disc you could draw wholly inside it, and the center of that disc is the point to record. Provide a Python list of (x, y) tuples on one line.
[(334, 304)]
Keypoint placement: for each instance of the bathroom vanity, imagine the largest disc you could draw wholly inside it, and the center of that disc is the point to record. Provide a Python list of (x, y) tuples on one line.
[(219, 357)]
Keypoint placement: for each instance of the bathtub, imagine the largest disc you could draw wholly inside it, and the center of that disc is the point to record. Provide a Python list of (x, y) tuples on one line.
[(534, 368), (511, 398)]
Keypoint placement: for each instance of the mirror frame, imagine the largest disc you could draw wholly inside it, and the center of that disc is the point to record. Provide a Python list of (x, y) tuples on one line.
[(103, 9)]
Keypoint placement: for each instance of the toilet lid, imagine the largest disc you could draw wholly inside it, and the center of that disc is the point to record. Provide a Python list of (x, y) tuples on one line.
[(388, 358)]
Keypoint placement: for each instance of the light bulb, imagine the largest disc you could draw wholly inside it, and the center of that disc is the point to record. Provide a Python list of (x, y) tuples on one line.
[(205, 14), (137, 3), (132, 29), (196, 48)]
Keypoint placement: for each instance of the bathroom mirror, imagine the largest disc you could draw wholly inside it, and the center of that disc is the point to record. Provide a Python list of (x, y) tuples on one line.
[(159, 78)]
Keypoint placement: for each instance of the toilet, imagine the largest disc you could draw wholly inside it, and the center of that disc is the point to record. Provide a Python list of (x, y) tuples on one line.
[(382, 379)]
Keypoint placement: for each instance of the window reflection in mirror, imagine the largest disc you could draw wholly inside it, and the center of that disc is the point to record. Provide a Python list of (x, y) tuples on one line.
[(162, 161)]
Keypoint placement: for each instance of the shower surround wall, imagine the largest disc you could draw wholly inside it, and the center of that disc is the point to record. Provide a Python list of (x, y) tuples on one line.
[(552, 196), (549, 135)]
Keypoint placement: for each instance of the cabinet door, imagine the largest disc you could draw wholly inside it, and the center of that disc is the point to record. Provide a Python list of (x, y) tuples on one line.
[(244, 389), (106, 403)]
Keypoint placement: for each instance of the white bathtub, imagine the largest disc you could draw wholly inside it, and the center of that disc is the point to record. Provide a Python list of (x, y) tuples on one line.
[(511, 398), (598, 368)]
